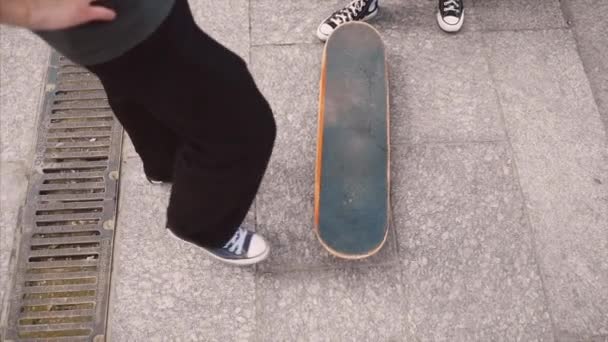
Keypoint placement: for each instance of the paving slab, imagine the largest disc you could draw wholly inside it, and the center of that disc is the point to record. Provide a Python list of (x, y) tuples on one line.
[(226, 21), (13, 183), (560, 149), (288, 21), (469, 267), (128, 150), (440, 98), (495, 15), (166, 289), (590, 27), (23, 65), (332, 305)]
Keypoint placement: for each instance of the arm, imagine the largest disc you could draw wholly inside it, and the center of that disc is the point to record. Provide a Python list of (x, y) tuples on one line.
[(14, 12), (52, 14)]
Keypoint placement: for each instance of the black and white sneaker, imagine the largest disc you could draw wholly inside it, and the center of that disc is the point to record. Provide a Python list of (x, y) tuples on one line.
[(244, 248), (450, 15), (356, 10)]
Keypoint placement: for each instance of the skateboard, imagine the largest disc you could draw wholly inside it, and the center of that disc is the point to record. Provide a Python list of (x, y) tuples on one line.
[(352, 178)]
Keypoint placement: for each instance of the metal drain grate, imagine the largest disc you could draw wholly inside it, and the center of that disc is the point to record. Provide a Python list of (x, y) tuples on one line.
[(61, 285)]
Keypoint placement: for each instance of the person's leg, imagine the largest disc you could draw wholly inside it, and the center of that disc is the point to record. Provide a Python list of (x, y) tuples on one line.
[(450, 15), (155, 143), (356, 10), (204, 94), (215, 183)]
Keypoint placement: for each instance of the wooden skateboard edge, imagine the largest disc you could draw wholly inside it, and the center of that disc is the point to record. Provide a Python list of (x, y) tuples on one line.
[(319, 159), (320, 129)]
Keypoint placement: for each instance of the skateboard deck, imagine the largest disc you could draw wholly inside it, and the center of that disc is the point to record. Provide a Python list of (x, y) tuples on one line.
[(353, 160)]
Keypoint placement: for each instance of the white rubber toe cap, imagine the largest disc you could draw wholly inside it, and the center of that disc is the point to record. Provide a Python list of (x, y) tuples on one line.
[(450, 23), (451, 20), (258, 247), (324, 31)]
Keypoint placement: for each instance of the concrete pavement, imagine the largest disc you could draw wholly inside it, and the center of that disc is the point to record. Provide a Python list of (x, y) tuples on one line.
[(500, 186)]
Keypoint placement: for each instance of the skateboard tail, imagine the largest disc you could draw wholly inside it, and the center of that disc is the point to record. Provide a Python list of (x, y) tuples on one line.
[(352, 256)]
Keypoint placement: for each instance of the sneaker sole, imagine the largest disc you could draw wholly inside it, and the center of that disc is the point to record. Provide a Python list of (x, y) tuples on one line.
[(239, 262), (447, 27), (324, 37)]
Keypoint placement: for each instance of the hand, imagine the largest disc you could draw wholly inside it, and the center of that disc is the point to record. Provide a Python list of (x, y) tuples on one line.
[(46, 15), (61, 14)]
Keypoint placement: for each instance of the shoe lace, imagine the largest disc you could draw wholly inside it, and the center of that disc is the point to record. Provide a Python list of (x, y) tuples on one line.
[(451, 6), (235, 245), (348, 13)]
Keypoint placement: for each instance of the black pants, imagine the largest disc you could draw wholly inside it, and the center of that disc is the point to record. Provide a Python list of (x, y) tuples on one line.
[(197, 119)]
